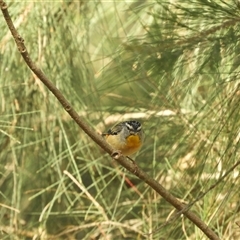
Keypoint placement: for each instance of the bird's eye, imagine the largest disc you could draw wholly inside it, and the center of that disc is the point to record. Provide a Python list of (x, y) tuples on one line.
[(133, 126), (139, 128)]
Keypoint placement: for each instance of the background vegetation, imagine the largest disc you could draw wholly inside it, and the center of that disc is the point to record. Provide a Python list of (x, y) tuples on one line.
[(171, 64)]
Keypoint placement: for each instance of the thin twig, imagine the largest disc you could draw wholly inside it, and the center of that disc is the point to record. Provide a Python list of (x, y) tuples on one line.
[(188, 206), (88, 194), (96, 137)]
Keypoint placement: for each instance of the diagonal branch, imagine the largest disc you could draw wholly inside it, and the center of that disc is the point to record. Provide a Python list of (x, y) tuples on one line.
[(96, 137)]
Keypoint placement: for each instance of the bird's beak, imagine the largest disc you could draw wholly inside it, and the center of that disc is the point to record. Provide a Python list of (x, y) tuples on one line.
[(133, 133)]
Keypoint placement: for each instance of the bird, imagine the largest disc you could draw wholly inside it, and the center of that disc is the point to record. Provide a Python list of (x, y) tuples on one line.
[(125, 137)]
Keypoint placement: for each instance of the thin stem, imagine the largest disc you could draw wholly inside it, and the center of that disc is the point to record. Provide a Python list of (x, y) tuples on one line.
[(96, 137)]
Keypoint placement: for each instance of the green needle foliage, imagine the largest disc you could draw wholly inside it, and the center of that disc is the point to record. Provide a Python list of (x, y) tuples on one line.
[(171, 64)]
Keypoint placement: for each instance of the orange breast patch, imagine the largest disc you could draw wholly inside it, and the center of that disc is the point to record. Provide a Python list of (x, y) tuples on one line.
[(133, 141)]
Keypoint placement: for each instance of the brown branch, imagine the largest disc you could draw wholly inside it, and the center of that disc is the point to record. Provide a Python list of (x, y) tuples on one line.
[(96, 137), (189, 205)]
